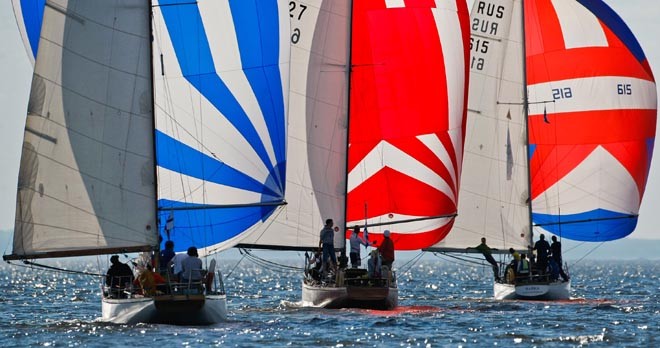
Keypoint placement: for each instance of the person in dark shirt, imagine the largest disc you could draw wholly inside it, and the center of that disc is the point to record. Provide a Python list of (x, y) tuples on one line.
[(327, 242), (386, 249), (485, 250), (556, 256), (542, 248), (166, 255), (118, 275)]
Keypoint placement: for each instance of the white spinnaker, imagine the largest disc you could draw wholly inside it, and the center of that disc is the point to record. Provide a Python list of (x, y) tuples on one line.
[(86, 181), (317, 126), (494, 190)]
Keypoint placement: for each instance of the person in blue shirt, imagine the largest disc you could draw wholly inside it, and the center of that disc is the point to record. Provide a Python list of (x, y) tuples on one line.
[(328, 243)]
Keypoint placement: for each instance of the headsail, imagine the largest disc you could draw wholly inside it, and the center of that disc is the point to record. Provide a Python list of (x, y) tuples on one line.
[(86, 184), (407, 111), (316, 168), (221, 86), (493, 199), (592, 122), (29, 15)]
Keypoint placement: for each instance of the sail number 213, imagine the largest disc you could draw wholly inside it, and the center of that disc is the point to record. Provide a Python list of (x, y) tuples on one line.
[(296, 11)]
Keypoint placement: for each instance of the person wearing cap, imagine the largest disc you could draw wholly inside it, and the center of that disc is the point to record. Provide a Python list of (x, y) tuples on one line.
[(386, 249), (118, 275), (191, 267), (327, 241)]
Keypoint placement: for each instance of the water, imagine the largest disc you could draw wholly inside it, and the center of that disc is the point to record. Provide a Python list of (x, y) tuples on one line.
[(442, 304)]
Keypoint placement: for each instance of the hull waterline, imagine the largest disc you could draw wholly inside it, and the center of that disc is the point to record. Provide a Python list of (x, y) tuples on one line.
[(166, 309), (533, 291)]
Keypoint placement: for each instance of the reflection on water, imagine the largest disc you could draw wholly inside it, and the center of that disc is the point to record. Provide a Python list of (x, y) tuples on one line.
[(615, 304)]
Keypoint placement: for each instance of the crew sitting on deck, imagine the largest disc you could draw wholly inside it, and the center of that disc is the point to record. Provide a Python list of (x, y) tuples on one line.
[(523, 267), (119, 276)]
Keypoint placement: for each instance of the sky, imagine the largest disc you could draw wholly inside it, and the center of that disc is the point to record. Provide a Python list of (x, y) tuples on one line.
[(15, 76)]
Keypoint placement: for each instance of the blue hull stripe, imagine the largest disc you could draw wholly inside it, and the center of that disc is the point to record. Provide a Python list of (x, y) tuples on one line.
[(207, 227), (181, 158), (186, 29), (593, 229)]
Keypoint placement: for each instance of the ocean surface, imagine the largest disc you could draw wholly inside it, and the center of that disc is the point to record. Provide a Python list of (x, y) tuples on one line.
[(442, 304)]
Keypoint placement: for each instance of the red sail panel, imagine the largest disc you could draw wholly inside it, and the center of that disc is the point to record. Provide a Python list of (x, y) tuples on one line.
[(407, 111)]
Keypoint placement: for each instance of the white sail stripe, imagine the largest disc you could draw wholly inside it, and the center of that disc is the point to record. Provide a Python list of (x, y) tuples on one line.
[(196, 191), (433, 143), (588, 186), (224, 48), (395, 3), (451, 39), (447, 5), (593, 94), (196, 116), (580, 27), (386, 155), (412, 227), (22, 30)]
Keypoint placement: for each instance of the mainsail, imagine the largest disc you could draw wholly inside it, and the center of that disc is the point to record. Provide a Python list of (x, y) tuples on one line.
[(86, 179), (95, 148), (407, 111), (317, 123), (590, 129)]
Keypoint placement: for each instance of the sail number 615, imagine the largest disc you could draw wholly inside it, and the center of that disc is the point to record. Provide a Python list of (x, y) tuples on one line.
[(624, 89)]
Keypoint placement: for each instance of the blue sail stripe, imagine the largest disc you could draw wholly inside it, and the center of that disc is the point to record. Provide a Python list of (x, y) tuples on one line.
[(616, 24), (260, 59), (187, 32), (181, 158), (33, 14), (207, 227), (615, 226)]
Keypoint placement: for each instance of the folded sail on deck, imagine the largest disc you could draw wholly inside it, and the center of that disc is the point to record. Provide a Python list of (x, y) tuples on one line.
[(221, 87), (86, 183), (407, 109)]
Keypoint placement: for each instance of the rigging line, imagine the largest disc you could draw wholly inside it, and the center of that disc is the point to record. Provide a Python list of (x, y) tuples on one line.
[(33, 265), (412, 263), (271, 264), (587, 254), (233, 268), (446, 216)]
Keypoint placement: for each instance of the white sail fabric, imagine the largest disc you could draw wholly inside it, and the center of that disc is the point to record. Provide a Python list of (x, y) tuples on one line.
[(317, 126), (86, 181), (221, 93), (493, 196)]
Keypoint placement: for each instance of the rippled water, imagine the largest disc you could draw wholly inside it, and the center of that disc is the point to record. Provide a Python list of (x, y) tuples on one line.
[(442, 304)]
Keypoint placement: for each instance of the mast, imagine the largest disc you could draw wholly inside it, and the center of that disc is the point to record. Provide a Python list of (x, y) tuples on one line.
[(525, 116), (349, 66), (153, 133)]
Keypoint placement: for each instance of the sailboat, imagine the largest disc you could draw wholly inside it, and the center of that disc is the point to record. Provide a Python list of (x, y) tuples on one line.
[(147, 120), (380, 137), (560, 131)]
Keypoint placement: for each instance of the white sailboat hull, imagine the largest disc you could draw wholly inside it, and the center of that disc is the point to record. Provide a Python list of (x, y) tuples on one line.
[(533, 291), (166, 309), (349, 297)]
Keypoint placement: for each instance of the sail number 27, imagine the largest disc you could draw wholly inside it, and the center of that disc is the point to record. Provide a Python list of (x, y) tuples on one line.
[(296, 11)]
